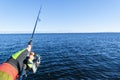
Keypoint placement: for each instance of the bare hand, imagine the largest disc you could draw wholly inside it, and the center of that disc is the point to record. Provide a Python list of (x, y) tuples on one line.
[(29, 48)]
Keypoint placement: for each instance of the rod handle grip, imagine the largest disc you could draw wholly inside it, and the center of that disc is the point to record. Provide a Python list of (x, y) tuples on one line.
[(30, 42)]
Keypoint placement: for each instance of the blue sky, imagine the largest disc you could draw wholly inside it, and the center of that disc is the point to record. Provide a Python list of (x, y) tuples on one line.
[(60, 16)]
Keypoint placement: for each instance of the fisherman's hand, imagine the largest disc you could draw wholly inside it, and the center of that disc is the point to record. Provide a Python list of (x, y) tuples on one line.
[(29, 47)]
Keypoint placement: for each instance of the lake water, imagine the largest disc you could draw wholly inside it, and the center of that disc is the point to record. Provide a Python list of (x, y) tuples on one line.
[(80, 56)]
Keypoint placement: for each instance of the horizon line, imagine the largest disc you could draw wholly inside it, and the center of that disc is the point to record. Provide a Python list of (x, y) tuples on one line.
[(55, 32)]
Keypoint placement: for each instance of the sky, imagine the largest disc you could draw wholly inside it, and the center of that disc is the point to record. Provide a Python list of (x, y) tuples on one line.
[(60, 16)]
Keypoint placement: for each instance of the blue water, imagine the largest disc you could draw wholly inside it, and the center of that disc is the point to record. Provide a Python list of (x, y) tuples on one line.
[(89, 56)]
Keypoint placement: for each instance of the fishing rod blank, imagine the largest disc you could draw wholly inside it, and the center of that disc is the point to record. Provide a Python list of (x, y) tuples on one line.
[(36, 24)]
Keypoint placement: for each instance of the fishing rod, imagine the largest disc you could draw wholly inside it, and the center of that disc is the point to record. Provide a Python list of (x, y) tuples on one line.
[(23, 70), (38, 19)]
